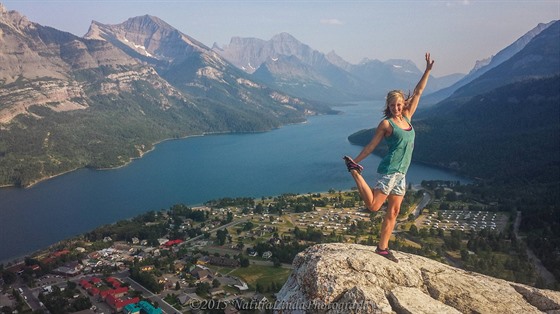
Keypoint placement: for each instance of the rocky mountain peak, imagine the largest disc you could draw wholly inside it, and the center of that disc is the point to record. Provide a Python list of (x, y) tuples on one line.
[(14, 19), (149, 36), (351, 278), (509, 51), (147, 23), (483, 66), (338, 61), (250, 53), (365, 61), (479, 64), (404, 65), (288, 45), (285, 37), (236, 41), (23, 48)]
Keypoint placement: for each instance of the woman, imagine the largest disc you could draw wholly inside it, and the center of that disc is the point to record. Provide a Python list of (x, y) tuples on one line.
[(397, 130)]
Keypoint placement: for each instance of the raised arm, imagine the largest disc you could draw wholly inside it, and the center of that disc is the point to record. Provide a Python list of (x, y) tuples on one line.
[(412, 102), (380, 132)]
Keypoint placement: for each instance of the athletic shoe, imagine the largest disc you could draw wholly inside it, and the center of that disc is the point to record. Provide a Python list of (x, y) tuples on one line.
[(352, 165), (387, 254)]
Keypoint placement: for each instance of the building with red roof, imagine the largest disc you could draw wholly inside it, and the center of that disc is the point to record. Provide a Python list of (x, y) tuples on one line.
[(85, 284), (104, 293), (48, 260), (114, 282), (35, 267), (171, 243), (60, 253), (119, 292), (93, 291), (118, 304)]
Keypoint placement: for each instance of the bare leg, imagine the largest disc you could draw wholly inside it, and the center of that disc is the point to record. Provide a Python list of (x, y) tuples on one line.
[(372, 198), (390, 219)]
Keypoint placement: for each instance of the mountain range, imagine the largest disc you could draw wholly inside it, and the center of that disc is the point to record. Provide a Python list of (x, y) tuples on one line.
[(97, 101), (295, 68), (483, 66), (68, 102)]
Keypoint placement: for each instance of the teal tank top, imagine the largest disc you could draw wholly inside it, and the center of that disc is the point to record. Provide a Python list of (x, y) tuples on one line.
[(401, 145)]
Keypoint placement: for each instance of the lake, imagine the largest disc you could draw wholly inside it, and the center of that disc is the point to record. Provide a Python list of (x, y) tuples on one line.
[(298, 158)]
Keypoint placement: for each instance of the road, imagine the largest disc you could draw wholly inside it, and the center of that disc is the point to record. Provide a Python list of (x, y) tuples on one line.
[(30, 299), (231, 224), (165, 307), (30, 295), (547, 276), (426, 199)]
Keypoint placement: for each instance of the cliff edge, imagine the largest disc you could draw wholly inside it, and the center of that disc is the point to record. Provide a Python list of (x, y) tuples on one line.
[(351, 278)]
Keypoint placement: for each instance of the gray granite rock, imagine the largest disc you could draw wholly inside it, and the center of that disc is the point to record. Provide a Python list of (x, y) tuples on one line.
[(351, 278)]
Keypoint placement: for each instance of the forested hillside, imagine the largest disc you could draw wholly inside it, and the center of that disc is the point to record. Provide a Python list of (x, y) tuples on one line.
[(510, 134)]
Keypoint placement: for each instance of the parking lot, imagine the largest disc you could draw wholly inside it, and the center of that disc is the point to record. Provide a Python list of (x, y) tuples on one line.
[(7, 299), (463, 220), (50, 280), (332, 219)]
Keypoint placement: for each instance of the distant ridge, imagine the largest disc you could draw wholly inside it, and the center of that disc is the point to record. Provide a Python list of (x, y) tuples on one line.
[(297, 69), (484, 66), (539, 58), (293, 67)]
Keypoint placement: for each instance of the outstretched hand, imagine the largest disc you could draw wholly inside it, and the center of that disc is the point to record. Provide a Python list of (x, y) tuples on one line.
[(429, 62), (412, 103)]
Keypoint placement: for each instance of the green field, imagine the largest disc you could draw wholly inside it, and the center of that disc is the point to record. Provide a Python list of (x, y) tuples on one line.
[(263, 275)]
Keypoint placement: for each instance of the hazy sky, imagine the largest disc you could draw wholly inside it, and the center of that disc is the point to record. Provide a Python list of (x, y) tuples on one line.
[(457, 33)]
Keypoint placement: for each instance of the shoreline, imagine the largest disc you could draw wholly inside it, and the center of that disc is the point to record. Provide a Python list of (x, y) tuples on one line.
[(20, 259), (142, 154), (130, 160)]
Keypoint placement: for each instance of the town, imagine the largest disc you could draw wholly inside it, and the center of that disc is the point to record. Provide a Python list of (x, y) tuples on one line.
[(231, 254)]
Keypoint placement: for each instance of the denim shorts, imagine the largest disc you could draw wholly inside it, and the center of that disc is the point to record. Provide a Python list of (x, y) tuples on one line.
[(394, 183)]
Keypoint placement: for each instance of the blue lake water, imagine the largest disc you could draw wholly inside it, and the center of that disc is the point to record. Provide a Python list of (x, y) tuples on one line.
[(293, 159)]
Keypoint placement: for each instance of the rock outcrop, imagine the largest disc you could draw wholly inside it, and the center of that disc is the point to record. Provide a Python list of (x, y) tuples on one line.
[(350, 278)]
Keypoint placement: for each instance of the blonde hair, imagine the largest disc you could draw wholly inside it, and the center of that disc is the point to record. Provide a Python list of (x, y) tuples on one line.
[(391, 97)]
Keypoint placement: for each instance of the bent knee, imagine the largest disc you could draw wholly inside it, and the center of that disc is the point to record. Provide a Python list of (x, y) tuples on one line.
[(374, 207)]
